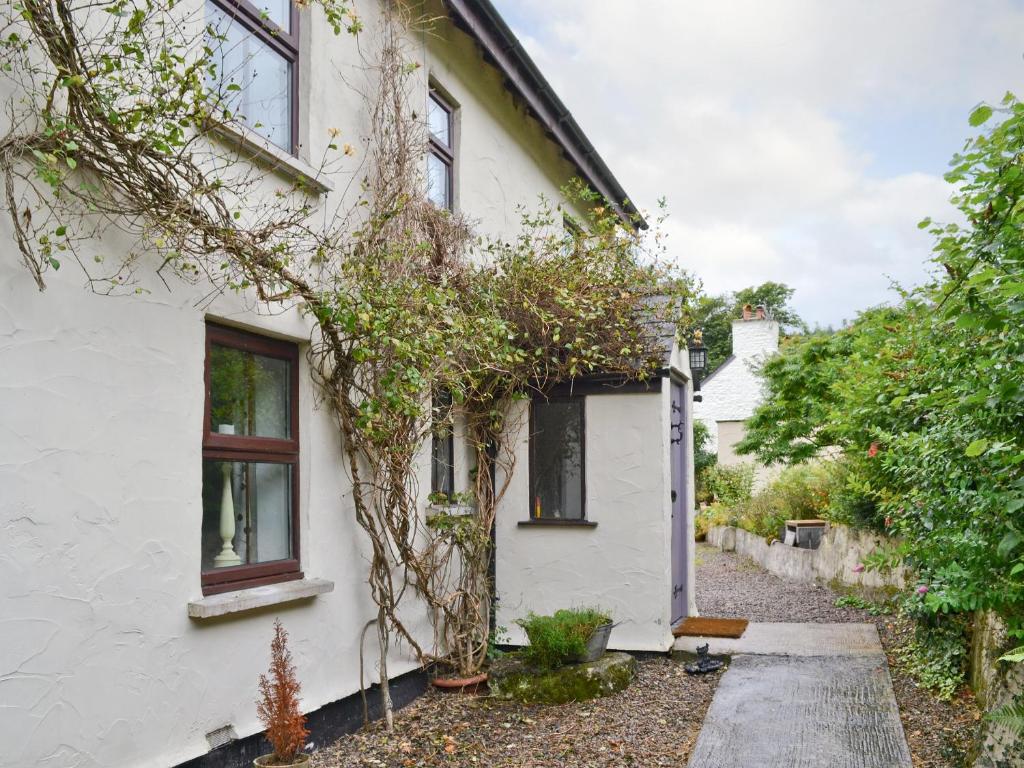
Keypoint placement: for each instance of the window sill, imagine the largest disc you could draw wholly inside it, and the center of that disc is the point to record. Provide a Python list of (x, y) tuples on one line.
[(269, 154), (454, 510), (557, 523), (250, 599)]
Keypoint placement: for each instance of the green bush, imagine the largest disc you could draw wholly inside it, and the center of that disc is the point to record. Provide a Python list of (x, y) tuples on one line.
[(851, 500), (703, 459), (798, 493), (761, 515), (937, 655), (562, 638), (706, 519), (729, 485)]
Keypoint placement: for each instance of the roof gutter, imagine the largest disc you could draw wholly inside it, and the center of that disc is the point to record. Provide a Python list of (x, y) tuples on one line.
[(483, 23)]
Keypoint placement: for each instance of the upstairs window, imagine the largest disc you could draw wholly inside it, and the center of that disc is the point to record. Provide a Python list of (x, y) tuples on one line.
[(250, 532), (557, 459), (441, 157), (442, 448), (254, 76)]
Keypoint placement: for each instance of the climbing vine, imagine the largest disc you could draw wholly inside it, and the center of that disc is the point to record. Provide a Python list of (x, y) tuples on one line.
[(117, 121)]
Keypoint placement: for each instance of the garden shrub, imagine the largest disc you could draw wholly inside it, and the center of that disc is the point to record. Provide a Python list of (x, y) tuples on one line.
[(703, 459), (729, 485), (850, 497), (562, 638), (937, 655), (799, 493), (709, 517)]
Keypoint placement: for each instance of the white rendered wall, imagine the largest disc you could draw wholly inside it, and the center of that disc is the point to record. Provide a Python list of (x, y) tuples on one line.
[(100, 473), (623, 564)]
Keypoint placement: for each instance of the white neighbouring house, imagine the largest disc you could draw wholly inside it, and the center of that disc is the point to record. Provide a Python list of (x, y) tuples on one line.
[(734, 389), (124, 641)]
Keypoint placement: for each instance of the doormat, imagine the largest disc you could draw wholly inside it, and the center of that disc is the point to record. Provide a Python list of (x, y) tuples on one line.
[(700, 626)]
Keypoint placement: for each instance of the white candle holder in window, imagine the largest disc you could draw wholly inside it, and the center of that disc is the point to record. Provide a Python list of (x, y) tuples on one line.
[(227, 556)]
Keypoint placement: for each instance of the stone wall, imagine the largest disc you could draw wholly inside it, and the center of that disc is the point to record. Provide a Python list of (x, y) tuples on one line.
[(841, 550), (995, 683)]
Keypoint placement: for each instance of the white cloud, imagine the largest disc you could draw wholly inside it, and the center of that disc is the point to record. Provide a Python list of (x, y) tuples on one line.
[(751, 118)]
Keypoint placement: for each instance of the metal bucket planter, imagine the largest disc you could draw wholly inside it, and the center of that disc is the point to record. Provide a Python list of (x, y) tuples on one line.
[(598, 643)]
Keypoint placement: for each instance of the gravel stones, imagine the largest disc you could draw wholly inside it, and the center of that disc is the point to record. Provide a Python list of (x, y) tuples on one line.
[(651, 724)]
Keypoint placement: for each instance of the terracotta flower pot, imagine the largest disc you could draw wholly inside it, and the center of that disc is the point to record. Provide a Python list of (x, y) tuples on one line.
[(270, 761), (460, 684)]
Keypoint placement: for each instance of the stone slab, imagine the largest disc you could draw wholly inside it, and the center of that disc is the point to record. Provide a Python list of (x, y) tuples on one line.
[(511, 678), (257, 597), (803, 712), (786, 639)]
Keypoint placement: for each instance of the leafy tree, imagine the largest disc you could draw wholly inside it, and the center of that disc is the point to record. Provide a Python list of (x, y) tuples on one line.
[(926, 399), (714, 316), (775, 297)]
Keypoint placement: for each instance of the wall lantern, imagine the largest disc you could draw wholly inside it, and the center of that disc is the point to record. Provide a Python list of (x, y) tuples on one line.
[(698, 359), (698, 363)]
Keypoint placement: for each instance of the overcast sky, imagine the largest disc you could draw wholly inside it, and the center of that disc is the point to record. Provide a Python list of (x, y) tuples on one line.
[(798, 141)]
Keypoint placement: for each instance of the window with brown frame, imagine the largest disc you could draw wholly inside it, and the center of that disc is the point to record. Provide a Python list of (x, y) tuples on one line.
[(250, 530), (441, 157), (557, 463), (254, 75)]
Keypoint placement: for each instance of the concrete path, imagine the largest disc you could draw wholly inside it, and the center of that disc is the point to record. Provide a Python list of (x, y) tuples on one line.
[(801, 696)]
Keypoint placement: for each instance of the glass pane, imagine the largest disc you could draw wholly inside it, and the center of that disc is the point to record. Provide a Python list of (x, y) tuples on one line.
[(251, 82), (438, 173), (442, 464), (277, 11), (438, 121), (556, 460), (442, 455), (247, 513), (249, 393)]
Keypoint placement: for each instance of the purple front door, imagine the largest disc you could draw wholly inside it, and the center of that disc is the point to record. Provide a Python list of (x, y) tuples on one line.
[(677, 435)]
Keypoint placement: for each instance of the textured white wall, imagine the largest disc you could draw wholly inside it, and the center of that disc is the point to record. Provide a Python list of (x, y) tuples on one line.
[(100, 472), (624, 563)]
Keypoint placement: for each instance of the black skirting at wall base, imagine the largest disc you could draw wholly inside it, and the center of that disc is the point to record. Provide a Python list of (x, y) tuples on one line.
[(325, 725)]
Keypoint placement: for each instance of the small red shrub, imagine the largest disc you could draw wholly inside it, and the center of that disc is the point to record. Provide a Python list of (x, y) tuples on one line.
[(278, 704)]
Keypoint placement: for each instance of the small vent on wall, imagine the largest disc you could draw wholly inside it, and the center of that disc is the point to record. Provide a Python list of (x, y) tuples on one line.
[(221, 736)]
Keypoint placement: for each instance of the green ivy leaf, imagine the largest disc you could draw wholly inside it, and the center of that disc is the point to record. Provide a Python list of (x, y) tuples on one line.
[(1016, 655), (1010, 542), (980, 115), (976, 448)]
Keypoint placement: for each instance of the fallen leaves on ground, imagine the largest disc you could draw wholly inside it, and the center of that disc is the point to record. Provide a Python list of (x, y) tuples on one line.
[(654, 722)]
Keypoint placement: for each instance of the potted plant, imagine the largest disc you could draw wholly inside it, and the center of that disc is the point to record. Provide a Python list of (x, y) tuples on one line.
[(278, 708), (454, 504), (568, 636)]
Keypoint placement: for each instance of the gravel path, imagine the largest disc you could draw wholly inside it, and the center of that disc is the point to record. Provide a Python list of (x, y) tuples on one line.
[(731, 586), (654, 722)]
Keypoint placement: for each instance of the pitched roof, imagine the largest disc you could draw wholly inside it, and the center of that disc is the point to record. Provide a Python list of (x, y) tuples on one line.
[(481, 21)]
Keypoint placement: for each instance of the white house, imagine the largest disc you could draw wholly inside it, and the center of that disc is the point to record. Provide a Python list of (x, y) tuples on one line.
[(134, 627), (733, 390), (605, 517)]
